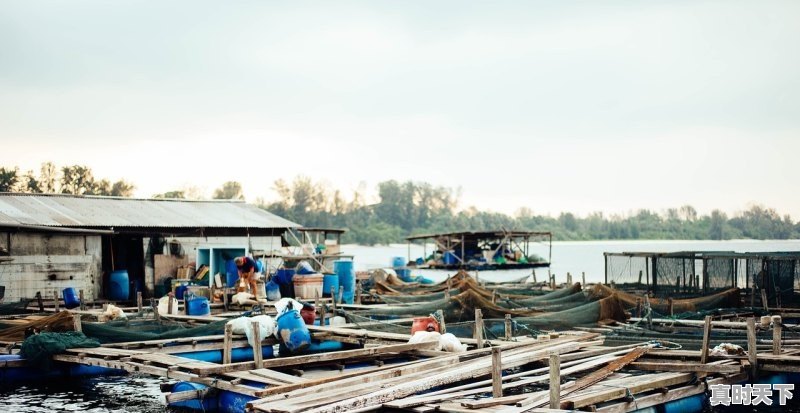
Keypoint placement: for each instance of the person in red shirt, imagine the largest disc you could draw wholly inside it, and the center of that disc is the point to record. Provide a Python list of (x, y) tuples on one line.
[(247, 274)]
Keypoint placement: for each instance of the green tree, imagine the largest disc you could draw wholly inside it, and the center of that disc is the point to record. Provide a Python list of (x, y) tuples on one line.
[(8, 179), (171, 195), (229, 190)]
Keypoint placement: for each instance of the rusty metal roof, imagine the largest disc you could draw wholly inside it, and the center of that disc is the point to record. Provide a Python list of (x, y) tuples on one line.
[(55, 210)]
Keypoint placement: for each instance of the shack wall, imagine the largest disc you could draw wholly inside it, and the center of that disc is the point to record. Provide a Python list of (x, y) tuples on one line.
[(47, 263), (190, 245)]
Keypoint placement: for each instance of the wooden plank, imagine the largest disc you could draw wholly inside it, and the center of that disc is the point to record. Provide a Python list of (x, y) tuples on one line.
[(686, 367), (283, 377), (776, 334), (205, 369), (494, 401)]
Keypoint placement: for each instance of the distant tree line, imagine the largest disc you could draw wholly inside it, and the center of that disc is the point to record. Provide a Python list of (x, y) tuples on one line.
[(410, 208), (75, 180)]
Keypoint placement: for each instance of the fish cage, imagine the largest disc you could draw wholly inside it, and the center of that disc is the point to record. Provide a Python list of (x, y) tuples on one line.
[(694, 273)]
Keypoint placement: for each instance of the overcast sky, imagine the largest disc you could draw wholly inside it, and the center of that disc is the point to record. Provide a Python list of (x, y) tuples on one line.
[(555, 106)]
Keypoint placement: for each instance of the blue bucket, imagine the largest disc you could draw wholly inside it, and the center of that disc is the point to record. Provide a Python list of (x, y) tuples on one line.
[(71, 299), (180, 291), (119, 286), (398, 262), (198, 306), (329, 281), (292, 331), (273, 291)]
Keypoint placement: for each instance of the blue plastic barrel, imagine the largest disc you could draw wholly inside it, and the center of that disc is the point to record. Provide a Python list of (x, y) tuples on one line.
[(329, 281), (119, 286), (398, 262), (304, 268), (449, 258), (232, 402), (689, 404), (292, 331), (206, 404), (404, 274), (231, 273), (198, 306), (71, 298), (347, 278)]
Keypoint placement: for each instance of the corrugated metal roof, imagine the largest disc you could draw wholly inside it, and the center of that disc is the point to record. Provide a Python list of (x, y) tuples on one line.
[(107, 212)]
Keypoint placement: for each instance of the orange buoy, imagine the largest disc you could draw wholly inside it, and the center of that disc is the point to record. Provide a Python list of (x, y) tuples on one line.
[(424, 324)]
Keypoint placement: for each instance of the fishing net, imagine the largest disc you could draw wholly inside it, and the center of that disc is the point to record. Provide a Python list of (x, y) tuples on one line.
[(724, 299), (39, 349), (15, 308), (143, 329), (14, 330)]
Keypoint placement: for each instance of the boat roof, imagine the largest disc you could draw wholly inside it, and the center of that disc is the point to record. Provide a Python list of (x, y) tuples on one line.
[(481, 234)]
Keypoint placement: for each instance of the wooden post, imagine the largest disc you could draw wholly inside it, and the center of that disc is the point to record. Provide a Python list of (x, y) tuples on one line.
[(706, 340), (640, 277), (440, 318), (777, 328), (569, 279), (55, 299), (764, 299), (154, 305), (583, 278), (40, 301), (509, 332), (478, 328), (497, 373), (333, 299), (227, 347), (322, 310), (533, 272), (83, 302), (257, 354), (447, 294), (697, 282), (649, 311), (358, 292), (753, 293), (751, 346), (76, 322), (139, 300), (555, 381), (638, 307), (671, 304), (225, 299), (169, 304)]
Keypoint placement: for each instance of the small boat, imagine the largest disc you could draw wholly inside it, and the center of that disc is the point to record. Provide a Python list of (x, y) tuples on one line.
[(492, 256)]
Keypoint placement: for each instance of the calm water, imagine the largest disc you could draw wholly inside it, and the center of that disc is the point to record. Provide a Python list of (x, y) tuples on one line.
[(141, 394)]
